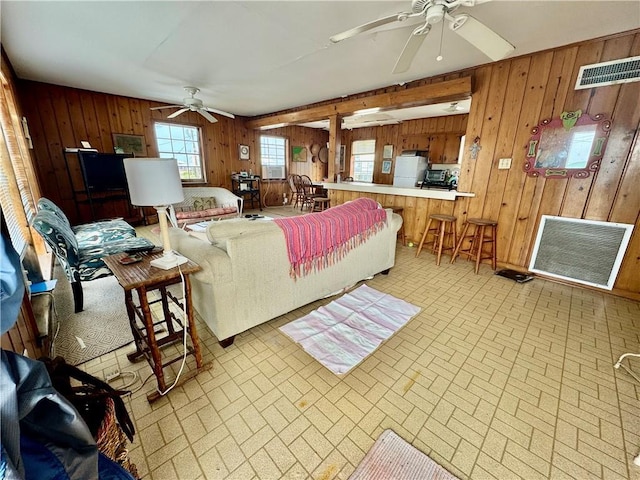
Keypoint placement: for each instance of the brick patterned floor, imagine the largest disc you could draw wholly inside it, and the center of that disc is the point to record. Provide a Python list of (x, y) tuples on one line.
[(493, 379)]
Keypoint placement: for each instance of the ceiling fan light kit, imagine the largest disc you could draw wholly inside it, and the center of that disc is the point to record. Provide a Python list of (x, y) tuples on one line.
[(434, 11), (194, 104)]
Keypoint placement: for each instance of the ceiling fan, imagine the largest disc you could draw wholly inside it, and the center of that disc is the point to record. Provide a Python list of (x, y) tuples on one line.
[(435, 11), (194, 105)]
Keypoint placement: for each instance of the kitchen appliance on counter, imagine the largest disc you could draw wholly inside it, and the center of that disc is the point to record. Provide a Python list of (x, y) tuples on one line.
[(439, 179), (409, 170)]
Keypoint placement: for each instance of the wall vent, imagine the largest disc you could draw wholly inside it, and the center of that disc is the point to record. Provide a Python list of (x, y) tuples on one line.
[(582, 251), (623, 70)]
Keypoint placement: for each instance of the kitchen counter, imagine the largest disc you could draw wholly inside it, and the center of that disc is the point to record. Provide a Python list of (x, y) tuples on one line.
[(435, 193)]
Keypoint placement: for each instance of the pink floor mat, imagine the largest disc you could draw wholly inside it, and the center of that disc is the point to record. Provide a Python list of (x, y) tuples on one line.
[(393, 458), (343, 333)]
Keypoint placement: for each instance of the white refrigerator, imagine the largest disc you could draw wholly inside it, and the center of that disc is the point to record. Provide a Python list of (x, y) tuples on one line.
[(409, 170)]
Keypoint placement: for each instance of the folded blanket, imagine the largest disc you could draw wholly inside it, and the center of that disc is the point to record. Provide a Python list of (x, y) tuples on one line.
[(317, 240)]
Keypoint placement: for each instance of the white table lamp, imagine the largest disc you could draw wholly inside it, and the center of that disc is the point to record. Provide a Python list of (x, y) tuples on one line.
[(155, 182)]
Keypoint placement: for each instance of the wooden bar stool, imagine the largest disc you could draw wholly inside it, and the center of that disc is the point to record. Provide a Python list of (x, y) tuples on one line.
[(320, 204), (445, 229), (399, 211), (478, 240)]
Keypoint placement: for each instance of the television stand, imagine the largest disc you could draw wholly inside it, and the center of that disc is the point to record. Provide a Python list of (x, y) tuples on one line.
[(113, 198)]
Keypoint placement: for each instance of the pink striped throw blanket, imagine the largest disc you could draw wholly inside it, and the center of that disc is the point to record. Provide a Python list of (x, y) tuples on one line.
[(317, 240)]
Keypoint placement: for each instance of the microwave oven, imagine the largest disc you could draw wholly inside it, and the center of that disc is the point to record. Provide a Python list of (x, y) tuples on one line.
[(436, 175)]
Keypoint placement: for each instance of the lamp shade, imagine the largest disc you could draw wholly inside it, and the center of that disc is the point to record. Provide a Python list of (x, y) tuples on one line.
[(153, 181)]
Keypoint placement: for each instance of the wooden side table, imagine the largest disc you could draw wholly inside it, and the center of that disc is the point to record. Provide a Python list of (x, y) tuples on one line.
[(143, 278)]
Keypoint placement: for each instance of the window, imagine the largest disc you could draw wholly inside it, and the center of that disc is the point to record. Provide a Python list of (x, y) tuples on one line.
[(18, 185), (273, 156), (181, 142), (363, 153)]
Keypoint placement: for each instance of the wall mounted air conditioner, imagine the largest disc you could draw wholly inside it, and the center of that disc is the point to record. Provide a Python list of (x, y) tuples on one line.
[(582, 251), (271, 172)]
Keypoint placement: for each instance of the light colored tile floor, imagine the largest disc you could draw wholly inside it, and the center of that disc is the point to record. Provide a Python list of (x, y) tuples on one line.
[(493, 379)]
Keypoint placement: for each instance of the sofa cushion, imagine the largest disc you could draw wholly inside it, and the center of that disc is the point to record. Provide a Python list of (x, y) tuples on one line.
[(103, 231), (219, 232), (209, 213), (202, 236), (204, 203)]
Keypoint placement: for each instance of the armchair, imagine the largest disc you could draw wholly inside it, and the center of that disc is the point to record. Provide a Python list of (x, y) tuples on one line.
[(80, 249)]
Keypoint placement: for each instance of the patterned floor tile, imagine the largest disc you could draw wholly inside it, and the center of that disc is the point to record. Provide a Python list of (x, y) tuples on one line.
[(493, 379)]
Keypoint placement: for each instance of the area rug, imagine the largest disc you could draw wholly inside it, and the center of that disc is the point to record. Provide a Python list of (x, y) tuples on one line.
[(343, 333), (103, 325), (392, 457)]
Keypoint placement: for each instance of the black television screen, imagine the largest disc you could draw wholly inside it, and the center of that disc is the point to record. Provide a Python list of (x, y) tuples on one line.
[(103, 171)]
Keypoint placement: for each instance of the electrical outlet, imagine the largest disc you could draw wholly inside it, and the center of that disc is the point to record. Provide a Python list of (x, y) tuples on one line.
[(112, 375), (504, 164)]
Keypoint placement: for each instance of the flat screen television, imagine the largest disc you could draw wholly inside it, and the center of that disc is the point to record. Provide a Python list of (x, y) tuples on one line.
[(103, 171)]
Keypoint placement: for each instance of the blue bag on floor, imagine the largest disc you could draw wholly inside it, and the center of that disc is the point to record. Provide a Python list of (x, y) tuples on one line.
[(42, 435)]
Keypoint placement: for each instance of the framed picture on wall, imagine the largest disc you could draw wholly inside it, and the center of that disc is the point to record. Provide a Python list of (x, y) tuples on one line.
[(124, 143), (387, 152), (341, 165), (299, 154), (243, 152), (386, 166)]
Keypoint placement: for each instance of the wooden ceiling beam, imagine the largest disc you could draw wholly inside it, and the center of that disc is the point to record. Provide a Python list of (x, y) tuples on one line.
[(449, 91)]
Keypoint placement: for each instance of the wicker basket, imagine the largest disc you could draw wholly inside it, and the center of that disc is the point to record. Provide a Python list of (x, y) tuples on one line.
[(112, 441)]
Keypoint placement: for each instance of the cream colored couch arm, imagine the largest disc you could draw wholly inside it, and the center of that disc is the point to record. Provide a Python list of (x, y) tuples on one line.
[(215, 263)]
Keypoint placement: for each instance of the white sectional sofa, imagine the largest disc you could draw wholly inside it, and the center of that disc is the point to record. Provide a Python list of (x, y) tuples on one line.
[(245, 278)]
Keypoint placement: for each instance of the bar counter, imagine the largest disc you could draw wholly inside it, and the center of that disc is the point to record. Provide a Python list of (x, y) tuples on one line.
[(417, 204), (435, 193)]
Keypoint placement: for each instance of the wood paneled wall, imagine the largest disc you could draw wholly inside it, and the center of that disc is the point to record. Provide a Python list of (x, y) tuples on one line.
[(510, 98), (61, 117), (272, 191), (398, 136)]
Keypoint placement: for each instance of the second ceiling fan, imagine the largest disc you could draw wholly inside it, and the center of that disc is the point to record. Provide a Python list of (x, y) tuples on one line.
[(433, 12), (194, 104)]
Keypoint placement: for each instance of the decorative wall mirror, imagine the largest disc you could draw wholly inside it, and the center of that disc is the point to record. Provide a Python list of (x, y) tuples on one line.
[(571, 145)]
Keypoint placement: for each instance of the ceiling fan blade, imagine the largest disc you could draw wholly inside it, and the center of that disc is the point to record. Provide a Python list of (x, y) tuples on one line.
[(409, 51), (166, 106), (178, 112), (207, 115), (338, 37), (482, 37), (219, 112)]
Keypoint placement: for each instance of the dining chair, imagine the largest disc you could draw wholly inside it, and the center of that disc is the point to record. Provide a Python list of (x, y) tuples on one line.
[(297, 195), (308, 192)]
